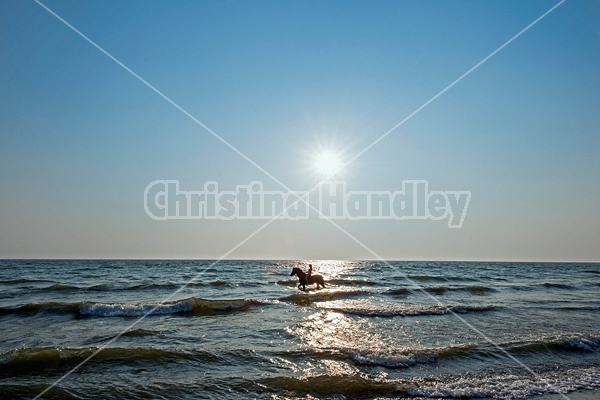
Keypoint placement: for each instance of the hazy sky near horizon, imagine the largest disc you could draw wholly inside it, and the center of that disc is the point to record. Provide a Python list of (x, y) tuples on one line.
[(81, 138)]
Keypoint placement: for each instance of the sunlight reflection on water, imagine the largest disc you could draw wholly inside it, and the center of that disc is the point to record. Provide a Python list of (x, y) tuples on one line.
[(331, 269)]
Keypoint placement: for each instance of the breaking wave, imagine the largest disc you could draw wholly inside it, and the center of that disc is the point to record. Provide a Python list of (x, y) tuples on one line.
[(191, 305), (307, 298), (497, 385), (403, 358), (390, 357)]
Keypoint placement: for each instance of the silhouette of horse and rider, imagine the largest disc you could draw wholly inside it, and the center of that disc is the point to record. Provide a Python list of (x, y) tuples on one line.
[(307, 278)]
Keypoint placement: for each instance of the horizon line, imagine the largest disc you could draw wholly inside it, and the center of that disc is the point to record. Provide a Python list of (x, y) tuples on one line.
[(292, 259)]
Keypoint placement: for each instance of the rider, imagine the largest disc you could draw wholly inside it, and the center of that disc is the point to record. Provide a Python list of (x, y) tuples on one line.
[(309, 273)]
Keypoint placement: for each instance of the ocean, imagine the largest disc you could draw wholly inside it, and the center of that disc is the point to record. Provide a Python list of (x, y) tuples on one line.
[(243, 330)]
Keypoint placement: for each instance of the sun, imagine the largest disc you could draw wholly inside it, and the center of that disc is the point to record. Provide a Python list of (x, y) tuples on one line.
[(327, 163)]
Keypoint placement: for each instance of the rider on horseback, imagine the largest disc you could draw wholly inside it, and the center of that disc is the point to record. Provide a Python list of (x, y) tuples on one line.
[(307, 278)]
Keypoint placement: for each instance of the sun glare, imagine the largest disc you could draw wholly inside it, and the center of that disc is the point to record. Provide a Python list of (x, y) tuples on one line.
[(327, 163)]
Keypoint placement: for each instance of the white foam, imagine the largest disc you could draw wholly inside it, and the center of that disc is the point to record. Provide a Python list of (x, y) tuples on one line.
[(391, 360), (588, 344), (134, 310), (510, 386)]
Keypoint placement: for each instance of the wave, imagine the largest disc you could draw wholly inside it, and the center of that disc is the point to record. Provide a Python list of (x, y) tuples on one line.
[(350, 385), (134, 310), (287, 281), (68, 287), (403, 358), (572, 308), (440, 290), (133, 333), (34, 308), (334, 282), (28, 360), (479, 289), (192, 305), (435, 278), (352, 282), (427, 278), (390, 358), (398, 292), (493, 278), (476, 289), (548, 285), (522, 287), (307, 298), (508, 385), (58, 286), (23, 280), (175, 285), (497, 385), (139, 332), (413, 310), (557, 285), (567, 343), (31, 390), (141, 286)]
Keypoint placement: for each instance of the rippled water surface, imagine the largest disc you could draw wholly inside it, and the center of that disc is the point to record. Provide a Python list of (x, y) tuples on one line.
[(242, 329)]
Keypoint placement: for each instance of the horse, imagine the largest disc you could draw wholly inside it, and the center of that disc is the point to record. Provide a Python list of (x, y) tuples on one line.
[(303, 279)]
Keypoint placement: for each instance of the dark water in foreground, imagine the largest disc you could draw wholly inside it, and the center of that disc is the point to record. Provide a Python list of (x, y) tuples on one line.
[(243, 330)]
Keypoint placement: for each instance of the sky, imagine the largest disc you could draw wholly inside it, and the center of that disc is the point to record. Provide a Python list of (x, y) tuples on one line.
[(81, 137)]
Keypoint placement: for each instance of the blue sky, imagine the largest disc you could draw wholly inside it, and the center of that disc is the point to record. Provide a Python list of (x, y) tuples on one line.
[(80, 137)]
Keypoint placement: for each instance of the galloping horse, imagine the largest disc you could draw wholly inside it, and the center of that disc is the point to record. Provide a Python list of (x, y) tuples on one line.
[(318, 279)]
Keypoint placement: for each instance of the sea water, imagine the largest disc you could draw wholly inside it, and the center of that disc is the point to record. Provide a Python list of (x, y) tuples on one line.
[(242, 329)]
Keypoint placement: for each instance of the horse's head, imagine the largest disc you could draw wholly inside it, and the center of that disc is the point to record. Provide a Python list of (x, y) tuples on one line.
[(294, 271)]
